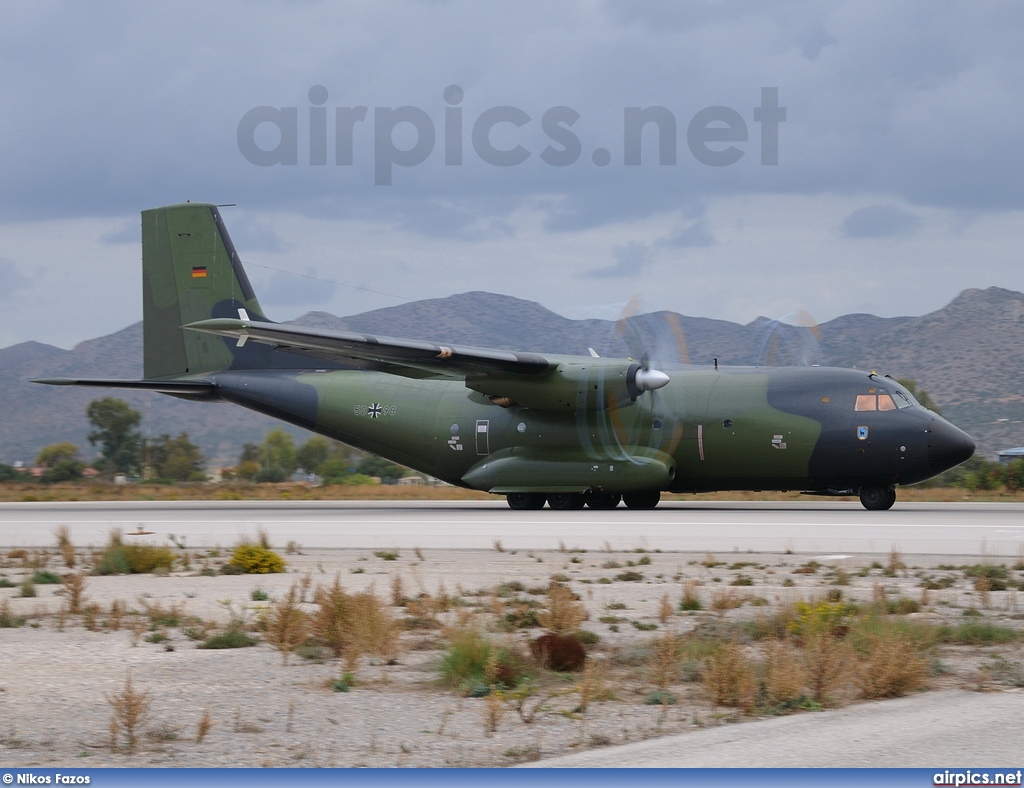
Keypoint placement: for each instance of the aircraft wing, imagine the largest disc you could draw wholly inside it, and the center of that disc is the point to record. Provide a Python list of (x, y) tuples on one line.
[(398, 356), (189, 387)]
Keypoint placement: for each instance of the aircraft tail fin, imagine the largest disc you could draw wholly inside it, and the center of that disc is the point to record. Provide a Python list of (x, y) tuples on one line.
[(191, 272)]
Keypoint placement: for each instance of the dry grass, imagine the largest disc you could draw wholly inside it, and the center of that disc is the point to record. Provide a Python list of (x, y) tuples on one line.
[(564, 612), (129, 711), (204, 725), (783, 674), (67, 549), (729, 677), (663, 665), (723, 599), (665, 610), (892, 667), (74, 591), (352, 625), (691, 599), (826, 659), (397, 590), (286, 623), (895, 563)]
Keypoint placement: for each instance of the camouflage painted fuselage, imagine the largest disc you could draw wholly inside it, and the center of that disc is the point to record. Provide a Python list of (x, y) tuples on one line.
[(726, 429)]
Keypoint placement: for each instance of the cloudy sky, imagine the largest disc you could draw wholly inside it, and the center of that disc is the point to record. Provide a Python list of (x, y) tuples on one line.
[(898, 180)]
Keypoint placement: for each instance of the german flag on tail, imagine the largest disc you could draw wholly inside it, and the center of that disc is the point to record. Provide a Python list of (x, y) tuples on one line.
[(199, 272)]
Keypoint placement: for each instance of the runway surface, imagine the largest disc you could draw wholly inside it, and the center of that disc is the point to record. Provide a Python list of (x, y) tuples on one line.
[(816, 527)]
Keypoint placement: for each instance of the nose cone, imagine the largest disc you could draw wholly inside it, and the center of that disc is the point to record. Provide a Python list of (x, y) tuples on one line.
[(650, 379), (948, 446)]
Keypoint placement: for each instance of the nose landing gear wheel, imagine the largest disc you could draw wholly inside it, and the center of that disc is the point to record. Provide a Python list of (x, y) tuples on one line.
[(642, 500), (525, 501), (876, 498), (566, 502)]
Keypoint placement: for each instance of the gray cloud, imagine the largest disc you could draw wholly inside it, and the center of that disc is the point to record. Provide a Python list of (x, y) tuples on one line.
[(880, 221), (900, 102), (630, 260), (694, 236), (11, 280)]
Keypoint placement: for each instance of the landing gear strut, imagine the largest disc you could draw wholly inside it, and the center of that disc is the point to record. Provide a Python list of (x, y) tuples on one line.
[(876, 498)]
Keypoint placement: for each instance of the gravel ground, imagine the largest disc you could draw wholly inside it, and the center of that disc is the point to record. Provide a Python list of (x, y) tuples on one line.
[(57, 675)]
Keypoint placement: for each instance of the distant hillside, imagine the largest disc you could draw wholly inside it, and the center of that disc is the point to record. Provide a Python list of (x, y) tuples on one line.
[(968, 355)]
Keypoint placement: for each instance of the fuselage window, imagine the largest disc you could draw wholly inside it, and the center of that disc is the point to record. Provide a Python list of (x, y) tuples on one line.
[(885, 402)]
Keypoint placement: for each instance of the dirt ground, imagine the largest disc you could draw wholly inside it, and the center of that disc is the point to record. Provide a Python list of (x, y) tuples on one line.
[(61, 671)]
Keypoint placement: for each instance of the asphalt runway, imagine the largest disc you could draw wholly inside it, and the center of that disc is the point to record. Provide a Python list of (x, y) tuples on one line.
[(949, 530)]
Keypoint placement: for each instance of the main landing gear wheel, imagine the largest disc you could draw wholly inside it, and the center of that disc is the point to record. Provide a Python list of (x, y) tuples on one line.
[(642, 500), (525, 500), (877, 498), (566, 501), (602, 500)]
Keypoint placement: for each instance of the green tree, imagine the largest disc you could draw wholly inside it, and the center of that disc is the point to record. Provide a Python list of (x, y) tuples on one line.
[(177, 459), (313, 453), (60, 462), (388, 471), (56, 452), (277, 454), (8, 473), (250, 453), (115, 422)]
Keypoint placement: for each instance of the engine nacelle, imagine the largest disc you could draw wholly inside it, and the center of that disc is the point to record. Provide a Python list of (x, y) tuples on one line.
[(594, 385)]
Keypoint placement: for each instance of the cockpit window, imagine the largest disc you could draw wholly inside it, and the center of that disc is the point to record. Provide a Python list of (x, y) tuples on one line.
[(866, 402), (902, 400), (883, 401)]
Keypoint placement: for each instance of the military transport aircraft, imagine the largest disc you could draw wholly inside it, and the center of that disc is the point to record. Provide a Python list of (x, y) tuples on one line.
[(568, 431)]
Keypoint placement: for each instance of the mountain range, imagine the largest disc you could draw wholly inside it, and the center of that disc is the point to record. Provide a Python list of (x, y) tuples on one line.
[(969, 356)]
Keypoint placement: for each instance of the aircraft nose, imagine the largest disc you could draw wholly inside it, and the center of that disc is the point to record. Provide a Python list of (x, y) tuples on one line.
[(948, 446)]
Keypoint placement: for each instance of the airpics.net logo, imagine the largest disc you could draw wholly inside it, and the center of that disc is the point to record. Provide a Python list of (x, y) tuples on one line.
[(269, 136)]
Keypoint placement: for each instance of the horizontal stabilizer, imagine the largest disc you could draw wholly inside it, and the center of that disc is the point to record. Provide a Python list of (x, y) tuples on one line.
[(192, 387), (441, 360)]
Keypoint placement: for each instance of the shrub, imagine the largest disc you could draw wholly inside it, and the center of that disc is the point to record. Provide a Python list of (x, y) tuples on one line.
[(233, 637), (728, 677), (977, 633), (123, 559), (691, 599), (129, 710), (825, 658), (255, 559), (464, 663), (562, 653), (287, 623), (353, 624), (7, 618), (45, 578), (565, 613), (893, 667), (782, 676)]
